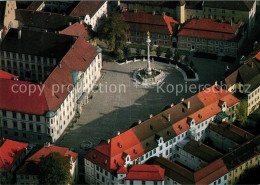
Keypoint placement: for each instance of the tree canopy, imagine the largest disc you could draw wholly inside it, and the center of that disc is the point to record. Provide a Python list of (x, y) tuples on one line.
[(169, 53), (158, 51), (241, 113), (54, 169), (114, 30)]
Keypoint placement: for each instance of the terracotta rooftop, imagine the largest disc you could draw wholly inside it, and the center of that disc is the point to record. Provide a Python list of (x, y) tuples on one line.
[(78, 30), (182, 175), (145, 172), (231, 131), (82, 54), (10, 152), (37, 43), (87, 8), (6, 75), (144, 136), (210, 29), (142, 21), (44, 20), (202, 151)]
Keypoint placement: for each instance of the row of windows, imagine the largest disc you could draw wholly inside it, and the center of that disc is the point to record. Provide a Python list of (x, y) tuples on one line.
[(22, 116), (203, 40), (23, 125), (24, 135)]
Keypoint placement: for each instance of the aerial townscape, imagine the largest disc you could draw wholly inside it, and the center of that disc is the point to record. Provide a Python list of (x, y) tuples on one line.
[(130, 92)]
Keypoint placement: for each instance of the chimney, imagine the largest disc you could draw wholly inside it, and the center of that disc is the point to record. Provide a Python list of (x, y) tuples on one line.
[(151, 115), (139, 122), (118, 133), (135, 10), (108, 141), (60, 65), (47, 144), (231, 22), (252, 65), (216, 83), (172, 104), (182, 100), (188, 105), (163, 14), (154, 12), (81, 22), (19, 33), (70, 23), (169, 117)]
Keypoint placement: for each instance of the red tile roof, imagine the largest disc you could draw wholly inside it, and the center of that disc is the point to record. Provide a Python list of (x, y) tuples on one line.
[(109, 155), (77, 29), (47, 150), (10, 152), (6, 75), (142, 21), (258, 56), (60, 77), (145, 172), (210, 29), (87, 8)]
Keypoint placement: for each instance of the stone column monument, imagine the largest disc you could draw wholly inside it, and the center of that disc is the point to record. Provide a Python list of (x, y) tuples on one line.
[(148, 41)]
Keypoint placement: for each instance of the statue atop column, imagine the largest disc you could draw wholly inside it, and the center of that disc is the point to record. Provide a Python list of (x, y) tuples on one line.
[(148, 41)]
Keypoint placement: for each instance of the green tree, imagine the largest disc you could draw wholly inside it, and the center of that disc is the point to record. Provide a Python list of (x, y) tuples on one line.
[(169, 53), (114, 30), (138, 51), (127, 52), (54, 169), (176, 55), (241, 113), (158, 51)]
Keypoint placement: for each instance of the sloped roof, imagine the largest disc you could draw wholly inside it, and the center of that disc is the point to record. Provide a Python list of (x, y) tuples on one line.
[(87, 8), (202, 151), (82, 54), (10, 152), (231, 131), (6, 75), (36, 43), (145, 172), (142, 21), (230, 5), (43, 20), (144, 136), (210, 29), (78, 30)]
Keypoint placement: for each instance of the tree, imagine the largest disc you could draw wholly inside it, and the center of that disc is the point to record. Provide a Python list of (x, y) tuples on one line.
[(6, 177), (54, 169), (176, 55), (138, 51), (127, 52), (241, 113), (169, 53), (114, 31), (158, 51)]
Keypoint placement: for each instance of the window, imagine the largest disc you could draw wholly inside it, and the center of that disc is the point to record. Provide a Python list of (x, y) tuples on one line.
[(24, 134), (15, 124), (160, 147), (31, 127), (219, 181), (4, 113), (30, 117), (14, 114), (143, 182), (225, 177), (5, 123), (38, 128)]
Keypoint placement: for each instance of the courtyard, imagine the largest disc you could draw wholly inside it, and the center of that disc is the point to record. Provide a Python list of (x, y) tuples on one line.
[(119, 102)]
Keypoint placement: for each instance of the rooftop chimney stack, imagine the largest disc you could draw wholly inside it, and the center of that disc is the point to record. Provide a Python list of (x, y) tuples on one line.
[(169, 117), (163, 14), (19, 33), (139, 122), (151, 115), (118, 133), (172, 104), (135, 10), (216, 83), (231, 22), (153, 12), (47, 144), (182, 100), (188, 105), (59, 65), (108, 141)]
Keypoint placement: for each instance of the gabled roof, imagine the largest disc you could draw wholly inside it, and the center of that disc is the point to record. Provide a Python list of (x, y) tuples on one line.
[(144, 137), (202, 151), (87, 8), (43, 20), (231, 132), (183, 175), (145, 172), (78, 30), (245, 73), (210, 29), (230, 5), (37, 43), (142, 21), (6, 75), (10, 152), (82, 54)]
